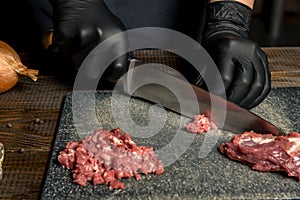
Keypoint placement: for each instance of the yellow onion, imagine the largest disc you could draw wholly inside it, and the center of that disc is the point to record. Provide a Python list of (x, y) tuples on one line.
[(11, 67)]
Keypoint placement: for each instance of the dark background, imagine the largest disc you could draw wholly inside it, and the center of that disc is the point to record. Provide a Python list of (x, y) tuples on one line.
[(276, 23)]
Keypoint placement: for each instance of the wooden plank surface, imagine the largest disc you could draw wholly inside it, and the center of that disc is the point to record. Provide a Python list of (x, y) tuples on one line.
[(29, 115), (285, 66)]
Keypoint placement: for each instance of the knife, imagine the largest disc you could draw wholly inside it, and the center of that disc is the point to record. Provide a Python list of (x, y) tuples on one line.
[(152, 84)]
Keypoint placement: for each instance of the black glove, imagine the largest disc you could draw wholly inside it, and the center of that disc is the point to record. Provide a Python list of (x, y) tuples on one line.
[(80, 25), (242, 63)]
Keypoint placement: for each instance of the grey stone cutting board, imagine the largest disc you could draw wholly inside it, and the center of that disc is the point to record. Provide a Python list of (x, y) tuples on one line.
[(195, 174)]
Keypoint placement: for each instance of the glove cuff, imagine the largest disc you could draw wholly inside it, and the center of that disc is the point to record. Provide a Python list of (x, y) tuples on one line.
[(228, 17)]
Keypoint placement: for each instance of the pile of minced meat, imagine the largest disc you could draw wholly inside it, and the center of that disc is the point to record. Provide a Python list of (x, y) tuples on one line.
[(105, 157)]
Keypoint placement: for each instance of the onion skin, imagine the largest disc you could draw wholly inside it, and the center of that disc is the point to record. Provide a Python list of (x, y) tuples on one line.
[(11, 67)]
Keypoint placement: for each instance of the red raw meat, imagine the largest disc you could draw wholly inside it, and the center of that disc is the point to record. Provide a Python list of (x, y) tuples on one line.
[(266, 152), (200, 125), (105, 157)]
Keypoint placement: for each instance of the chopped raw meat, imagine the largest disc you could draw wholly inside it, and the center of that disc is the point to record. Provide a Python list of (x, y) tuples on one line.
[(266, 152), (107, 156), (200, 124)]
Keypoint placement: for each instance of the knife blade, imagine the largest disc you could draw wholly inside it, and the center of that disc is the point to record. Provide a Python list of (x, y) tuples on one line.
[(146, 84)]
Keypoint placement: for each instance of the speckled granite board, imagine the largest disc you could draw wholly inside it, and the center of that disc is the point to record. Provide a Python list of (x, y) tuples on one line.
[(189, 177)]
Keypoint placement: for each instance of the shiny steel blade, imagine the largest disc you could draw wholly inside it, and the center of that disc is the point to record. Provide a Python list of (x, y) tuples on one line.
[(237, 119)]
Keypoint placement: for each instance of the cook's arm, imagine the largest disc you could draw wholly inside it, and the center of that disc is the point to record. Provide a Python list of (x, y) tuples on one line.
[(242, 63)]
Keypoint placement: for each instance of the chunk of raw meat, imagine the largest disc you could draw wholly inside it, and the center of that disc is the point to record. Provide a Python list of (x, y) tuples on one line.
[(266, 152), (200, 125), (105, 157)]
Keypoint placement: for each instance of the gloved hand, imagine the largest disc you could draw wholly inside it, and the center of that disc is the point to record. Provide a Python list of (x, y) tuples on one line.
[(79, 26), (242, 63)]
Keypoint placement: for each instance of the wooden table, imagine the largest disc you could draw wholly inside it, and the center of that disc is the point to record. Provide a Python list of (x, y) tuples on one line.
[(30, 112)]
